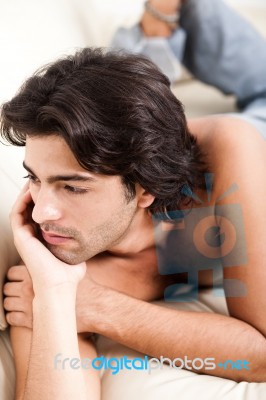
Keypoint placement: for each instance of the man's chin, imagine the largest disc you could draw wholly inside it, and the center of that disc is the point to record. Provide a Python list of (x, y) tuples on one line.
[(67, 257)]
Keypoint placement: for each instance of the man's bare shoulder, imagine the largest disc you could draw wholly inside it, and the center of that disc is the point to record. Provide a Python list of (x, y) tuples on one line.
[(230, 145), (216, 131)]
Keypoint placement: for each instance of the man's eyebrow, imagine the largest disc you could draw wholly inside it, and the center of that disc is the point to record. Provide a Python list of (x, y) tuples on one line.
[(55, 178)]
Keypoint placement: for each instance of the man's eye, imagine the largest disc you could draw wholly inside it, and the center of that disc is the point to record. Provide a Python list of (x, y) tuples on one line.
[(75, 190), (32, 178)]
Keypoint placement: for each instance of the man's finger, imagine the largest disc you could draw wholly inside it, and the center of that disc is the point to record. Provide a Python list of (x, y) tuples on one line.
[(13, 304), (17, 216), (18, 273), (18, 319), (12, 289)]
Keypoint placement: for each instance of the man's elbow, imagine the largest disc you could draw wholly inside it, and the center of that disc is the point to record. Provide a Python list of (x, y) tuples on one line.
[(251, 366), (258, 363)]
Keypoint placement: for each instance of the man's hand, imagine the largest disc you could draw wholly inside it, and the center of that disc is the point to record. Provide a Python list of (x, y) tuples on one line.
[(19, 296), (46, 271)]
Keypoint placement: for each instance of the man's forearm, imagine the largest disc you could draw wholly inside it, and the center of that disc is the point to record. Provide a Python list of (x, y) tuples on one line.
[(53, 333), (159, 331)]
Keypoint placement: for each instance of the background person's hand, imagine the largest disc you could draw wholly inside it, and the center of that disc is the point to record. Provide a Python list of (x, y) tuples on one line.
[(46, 271), (152, 26)]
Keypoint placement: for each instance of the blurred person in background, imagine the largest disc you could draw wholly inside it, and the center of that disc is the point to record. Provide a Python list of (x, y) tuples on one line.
[(214, 43)]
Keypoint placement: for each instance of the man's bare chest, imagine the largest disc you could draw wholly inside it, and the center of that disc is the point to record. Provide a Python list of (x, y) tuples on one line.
[(137, 276)]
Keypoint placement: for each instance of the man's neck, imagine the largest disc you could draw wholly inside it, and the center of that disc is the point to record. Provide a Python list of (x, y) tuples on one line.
[(138, 238)]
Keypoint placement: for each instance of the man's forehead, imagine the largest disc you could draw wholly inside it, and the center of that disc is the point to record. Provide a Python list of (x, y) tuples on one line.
[(51, 148), (46, 139), (52, 154), (51, 157)]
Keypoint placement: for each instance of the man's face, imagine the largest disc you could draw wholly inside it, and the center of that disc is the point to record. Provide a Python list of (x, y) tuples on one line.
[(80, 213)]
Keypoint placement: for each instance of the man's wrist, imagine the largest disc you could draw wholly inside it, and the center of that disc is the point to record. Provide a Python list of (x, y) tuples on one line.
[(66, 290), (105, 312), (55, 299), (100, 315), (90, 306), (54, 310)]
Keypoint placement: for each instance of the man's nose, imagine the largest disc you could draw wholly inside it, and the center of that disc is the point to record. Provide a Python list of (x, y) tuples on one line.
[(46, 207)]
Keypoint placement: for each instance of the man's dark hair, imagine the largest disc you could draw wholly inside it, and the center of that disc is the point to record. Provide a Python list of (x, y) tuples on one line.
[(118, 115)]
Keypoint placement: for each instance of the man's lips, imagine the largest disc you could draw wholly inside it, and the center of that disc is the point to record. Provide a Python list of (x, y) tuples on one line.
[(54, 238)]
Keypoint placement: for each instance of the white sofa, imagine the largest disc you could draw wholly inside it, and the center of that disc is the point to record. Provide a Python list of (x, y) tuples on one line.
[(47, 29)]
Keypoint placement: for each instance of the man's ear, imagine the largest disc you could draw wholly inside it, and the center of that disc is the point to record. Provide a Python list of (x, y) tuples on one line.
[(145, 199)]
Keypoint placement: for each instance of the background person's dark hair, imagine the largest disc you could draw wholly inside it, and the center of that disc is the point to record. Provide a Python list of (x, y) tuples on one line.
[(117, 114)]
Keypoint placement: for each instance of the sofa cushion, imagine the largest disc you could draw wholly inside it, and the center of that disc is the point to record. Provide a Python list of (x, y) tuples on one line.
[(10, 184)]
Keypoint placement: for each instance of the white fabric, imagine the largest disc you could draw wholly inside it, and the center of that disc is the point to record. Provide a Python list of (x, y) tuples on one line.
[(7, 370), (10, 171)]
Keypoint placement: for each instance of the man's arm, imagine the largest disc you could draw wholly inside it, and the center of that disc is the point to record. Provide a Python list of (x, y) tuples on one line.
[(54, 326), (21, 339), (158, 331), (54, 319)]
